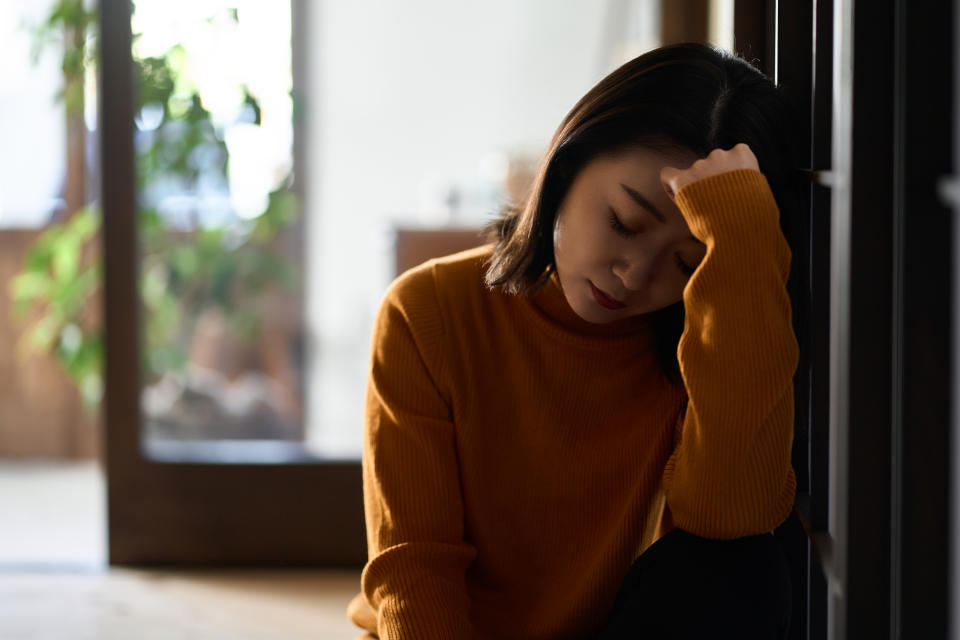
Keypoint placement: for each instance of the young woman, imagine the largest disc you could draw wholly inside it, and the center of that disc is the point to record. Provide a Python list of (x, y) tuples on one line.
[(535, 420)]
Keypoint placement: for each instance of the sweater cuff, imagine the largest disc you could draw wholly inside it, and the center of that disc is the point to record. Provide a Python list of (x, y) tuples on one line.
[(713, 205)]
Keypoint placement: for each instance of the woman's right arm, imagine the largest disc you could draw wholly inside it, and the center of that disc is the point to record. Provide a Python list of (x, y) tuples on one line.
[(414, 579)]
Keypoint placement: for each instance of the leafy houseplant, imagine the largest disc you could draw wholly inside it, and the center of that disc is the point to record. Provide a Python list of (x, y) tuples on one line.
[(184, 268)]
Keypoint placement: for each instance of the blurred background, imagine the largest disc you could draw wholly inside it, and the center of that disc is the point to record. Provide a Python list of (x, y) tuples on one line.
[(291, 159)]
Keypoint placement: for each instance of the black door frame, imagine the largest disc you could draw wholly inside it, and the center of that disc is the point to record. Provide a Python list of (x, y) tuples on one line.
[(883, 545), (873, 386)]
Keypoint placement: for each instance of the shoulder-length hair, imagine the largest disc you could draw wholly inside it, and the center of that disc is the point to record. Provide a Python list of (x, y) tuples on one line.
[(685, 96)]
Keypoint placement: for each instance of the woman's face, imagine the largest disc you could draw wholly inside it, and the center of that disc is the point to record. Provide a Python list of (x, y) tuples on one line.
[(621, 246)]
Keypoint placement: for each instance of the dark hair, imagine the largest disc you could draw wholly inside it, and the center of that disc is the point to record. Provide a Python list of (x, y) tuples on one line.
[(688, 96)]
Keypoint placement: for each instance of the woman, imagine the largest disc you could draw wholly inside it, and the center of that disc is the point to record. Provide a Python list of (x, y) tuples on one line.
[(534, 419)]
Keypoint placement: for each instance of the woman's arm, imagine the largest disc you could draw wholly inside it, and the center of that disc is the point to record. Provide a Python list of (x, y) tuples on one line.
[(730, 473), (414, 579)]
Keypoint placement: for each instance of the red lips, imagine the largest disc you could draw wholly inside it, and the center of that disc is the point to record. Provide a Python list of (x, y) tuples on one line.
[(605, 300)]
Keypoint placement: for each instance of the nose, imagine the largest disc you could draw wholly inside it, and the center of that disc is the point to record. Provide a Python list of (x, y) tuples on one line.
[(633, 271)]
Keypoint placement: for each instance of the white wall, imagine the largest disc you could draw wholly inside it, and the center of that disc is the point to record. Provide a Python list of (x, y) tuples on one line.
[(407, 95), (32, 127)]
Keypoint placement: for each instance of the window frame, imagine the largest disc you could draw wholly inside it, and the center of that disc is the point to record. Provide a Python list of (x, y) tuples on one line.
[(306, 512)]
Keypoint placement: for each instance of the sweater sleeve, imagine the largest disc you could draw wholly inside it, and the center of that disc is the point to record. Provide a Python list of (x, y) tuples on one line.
[(414, 579), (729, 474)]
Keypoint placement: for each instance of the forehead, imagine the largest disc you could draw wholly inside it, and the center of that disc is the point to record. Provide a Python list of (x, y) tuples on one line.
[(630, 182), (638, 167)]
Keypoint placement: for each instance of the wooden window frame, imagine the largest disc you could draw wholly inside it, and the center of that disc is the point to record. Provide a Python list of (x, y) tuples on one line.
[(308, 511)]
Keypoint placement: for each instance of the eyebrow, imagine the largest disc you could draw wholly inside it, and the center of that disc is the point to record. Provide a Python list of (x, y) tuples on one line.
[(643, 202), (649, 206)]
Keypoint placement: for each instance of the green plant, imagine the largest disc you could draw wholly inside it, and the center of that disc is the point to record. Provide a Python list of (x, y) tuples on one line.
[(183, 270), (60, 277)]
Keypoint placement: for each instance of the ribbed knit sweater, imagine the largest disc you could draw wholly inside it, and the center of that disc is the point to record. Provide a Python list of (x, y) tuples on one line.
[(517, 459)]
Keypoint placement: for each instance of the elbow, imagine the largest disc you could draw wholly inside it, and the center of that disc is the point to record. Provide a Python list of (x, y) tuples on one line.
[(720, 513)]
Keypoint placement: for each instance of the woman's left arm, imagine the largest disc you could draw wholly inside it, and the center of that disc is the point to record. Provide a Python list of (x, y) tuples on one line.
[(730, 473)]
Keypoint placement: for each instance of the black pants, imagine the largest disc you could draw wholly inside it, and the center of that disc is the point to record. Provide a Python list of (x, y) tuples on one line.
[(687, 587)]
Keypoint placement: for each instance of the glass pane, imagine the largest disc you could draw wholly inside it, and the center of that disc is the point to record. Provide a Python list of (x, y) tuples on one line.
[(220, 223)]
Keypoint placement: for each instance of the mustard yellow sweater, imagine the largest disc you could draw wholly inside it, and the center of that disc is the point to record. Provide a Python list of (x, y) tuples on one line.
[(517, 459)]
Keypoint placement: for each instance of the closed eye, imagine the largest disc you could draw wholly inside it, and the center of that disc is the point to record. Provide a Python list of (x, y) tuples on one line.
[(618, 226), (622, 230)]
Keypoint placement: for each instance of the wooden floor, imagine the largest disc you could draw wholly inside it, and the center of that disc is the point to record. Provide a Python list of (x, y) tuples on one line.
[(126, 604)]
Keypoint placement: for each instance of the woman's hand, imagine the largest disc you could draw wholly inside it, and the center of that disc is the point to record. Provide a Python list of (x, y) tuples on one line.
[(719, 161)]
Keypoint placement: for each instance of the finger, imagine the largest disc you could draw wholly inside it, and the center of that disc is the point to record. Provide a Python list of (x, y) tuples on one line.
[(668, 178), (746, 156)]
